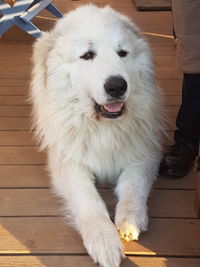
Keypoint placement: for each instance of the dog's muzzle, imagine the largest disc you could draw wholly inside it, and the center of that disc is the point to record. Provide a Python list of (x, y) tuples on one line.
[(115, 88)]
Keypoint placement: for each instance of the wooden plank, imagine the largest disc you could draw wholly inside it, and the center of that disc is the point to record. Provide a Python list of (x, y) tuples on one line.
[(160, 262), (23, 72), (23, 176), (161, 43), (177, 237), (13, 82), (28, 202), (86, 261), (168, 237), (172, 100), (21, 155), (12, 138), (23, 123), (25, 111), (8, 52), (38, 202), (172, 203), (164, 72), (22, 100), (153, 5), (38, 235), (37, 176), (13, 90), (15, 111), (151, 23), (14, 123), (162, 203), (13, 100), (187, 182), (170, 86), (12, 61)]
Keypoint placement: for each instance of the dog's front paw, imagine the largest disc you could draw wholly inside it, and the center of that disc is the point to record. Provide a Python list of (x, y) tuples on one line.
[(128, 231), (102, 242), (130, 223)]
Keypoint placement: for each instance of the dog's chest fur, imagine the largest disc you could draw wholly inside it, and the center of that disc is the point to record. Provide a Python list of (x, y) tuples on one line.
[(105, 151)]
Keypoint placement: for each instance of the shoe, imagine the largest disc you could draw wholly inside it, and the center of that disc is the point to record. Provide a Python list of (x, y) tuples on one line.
[(178, 161)]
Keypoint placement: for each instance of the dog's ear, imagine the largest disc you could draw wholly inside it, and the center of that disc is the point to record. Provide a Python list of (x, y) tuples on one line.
[(38, 80), (41, 48), (131, 27)]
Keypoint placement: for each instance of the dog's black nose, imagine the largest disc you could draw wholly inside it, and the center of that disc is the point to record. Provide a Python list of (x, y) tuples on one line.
[(115, 86)]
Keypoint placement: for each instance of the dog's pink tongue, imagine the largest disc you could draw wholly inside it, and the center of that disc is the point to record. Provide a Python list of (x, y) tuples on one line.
[(113, 107)]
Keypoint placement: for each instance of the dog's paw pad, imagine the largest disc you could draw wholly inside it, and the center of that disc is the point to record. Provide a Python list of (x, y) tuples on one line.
[(128, 231)]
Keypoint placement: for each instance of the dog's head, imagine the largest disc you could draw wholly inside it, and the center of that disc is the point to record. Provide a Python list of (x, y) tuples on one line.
[(97, 55)]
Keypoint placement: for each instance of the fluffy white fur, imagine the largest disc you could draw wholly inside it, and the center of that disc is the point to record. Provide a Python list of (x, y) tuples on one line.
[(82, 145)]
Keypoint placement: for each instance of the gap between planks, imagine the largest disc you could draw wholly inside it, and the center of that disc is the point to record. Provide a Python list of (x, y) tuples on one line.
[(84, 261)]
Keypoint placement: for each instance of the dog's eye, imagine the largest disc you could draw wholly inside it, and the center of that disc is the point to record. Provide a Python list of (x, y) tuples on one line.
[(88, 55), (122, 53)]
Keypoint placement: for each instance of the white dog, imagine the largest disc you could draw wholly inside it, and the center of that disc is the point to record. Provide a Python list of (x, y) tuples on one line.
[(98, 111)]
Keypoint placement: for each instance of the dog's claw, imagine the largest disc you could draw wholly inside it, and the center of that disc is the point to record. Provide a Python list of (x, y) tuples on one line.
[(129, 232)]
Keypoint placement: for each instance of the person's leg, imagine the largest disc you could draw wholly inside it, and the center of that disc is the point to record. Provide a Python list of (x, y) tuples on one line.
[(188, 119), (179, 160)]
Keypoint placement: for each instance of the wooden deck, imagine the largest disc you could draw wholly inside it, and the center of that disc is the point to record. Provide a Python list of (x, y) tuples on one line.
[(32, 229)]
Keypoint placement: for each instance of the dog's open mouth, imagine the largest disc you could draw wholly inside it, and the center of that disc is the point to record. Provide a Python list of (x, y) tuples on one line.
[(112, 110)]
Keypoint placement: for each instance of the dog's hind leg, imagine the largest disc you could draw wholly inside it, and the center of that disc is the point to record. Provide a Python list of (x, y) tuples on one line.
[(131, 212), (75, 184)]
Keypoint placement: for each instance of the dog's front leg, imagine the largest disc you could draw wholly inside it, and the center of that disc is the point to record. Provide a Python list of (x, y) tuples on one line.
[(75, 184), (131, 212)]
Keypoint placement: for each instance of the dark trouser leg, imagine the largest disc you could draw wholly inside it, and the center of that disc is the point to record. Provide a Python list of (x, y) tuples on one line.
[(188, 120), (180, 158)]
